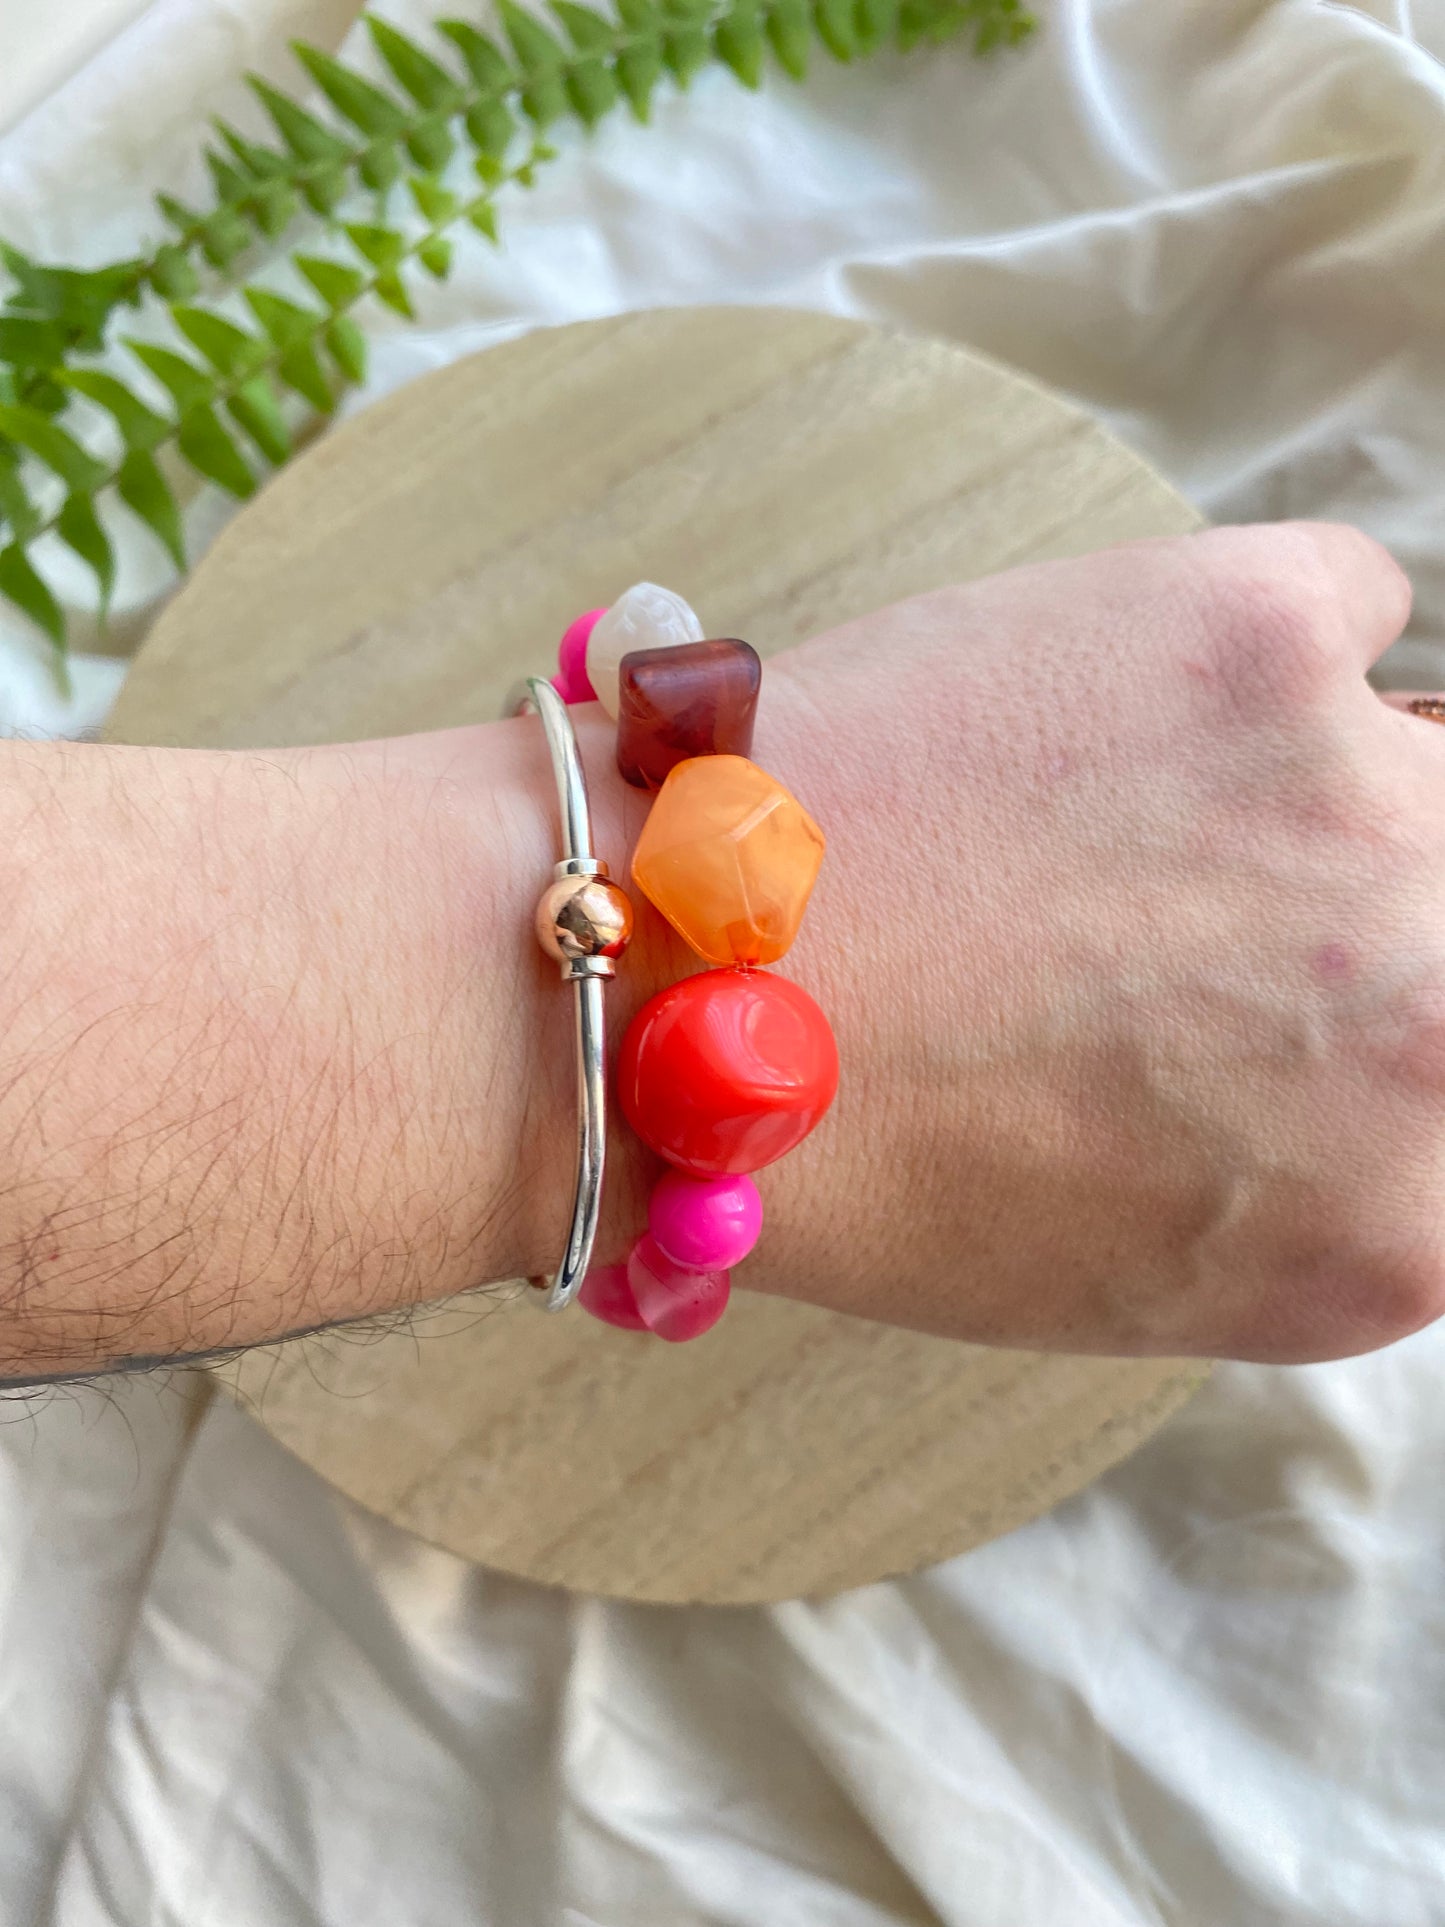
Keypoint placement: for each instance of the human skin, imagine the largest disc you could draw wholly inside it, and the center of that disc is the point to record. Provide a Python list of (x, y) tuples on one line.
[(1132, 931)]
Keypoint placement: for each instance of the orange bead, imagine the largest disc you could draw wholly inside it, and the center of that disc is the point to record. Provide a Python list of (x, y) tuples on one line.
[(730, 858)]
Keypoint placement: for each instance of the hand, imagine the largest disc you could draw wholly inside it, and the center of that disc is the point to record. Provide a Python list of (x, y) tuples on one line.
[(1132, 930)]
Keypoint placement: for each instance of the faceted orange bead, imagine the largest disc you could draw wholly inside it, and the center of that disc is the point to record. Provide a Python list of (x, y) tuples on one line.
[(729, 857)]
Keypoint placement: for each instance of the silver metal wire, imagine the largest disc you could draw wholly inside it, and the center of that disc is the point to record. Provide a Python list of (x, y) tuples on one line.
[(587, 976)]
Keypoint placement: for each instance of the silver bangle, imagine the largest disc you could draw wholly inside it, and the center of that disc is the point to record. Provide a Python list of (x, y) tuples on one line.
[(583, 921)]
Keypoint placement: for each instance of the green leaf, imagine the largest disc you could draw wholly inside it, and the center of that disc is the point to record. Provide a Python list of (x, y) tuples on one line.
[(59, 451), (639, 69), (230, 184), (337, 282), (146, 493), (390, 289), (738, 42), (544, 98), (323, 187), (536, 50), (16, 508), (435, 203), (223, 235), (435, 255), (483, 217), (21, 585), (140, 426), (256, 407), (300, 368), (181, 217), (273, 205), (876, 21), (491, 127), (486, 63), (188, 384), (381, 165), (229, 349), (592, 90), (685, 52), (284, 321), (428, 83), (35, 288), (261, 163), (639, 16), (82, 299), (836, 27), (790, 34), (382, 246), (211, 452), (920, 20), (42, 391), (78, 527), (355, 99), (346, 345), (590, 32), (173, 274), (430, 143), (27, 342), (308, 138)]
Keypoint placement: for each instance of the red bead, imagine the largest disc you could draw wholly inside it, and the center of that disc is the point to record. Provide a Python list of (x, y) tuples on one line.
[(727, 1071), (694, 699)]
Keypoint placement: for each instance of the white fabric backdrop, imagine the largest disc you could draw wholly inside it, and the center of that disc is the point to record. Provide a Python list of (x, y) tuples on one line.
[(1208, 1693)]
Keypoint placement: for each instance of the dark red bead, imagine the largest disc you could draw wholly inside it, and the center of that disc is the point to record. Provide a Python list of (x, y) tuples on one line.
[(693, 699), (727, 1070)]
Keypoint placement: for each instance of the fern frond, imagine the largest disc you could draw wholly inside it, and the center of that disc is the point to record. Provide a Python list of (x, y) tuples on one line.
[(222, 384), (222, 377)]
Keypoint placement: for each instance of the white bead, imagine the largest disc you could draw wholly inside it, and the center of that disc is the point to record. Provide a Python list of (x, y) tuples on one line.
[(647, 617)]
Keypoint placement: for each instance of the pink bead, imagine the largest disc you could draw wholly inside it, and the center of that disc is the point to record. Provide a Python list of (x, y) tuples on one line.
[(673, 1303), (705, 1224), (571, 682), (606, 1293)]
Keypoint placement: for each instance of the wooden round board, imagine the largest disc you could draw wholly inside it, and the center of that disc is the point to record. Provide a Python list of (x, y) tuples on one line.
[(784, 471)]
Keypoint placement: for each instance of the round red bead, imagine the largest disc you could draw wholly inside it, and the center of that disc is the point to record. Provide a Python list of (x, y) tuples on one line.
[(727, 1071)]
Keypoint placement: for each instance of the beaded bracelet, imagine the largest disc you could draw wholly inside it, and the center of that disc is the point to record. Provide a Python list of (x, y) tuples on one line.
[(724, 1072)]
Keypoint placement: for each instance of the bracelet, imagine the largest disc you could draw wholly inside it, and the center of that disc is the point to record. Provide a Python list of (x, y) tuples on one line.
[(584, 922), (723, 1072)]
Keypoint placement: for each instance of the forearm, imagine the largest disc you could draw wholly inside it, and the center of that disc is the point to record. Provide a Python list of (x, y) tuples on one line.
[(275, 1044)]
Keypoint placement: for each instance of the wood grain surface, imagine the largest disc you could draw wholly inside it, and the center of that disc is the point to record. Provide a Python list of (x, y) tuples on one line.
[(784, 471)]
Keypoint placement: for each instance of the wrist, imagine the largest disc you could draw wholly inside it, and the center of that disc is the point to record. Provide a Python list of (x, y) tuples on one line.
[(490, 792), (492, 787)]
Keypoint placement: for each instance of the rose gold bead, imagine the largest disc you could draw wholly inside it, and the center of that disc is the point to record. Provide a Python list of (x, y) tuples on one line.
[(584, 917)]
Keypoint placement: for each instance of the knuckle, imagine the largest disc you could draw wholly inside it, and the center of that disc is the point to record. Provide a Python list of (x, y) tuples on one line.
[(1354, 1294), (1399, 1290), (1269, 638), (1345, 555), (1286, 608)]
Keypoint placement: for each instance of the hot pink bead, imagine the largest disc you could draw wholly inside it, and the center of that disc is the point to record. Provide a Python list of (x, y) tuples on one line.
[(606, 1293), (571, 682), (673, 1303), (705, 1224)]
